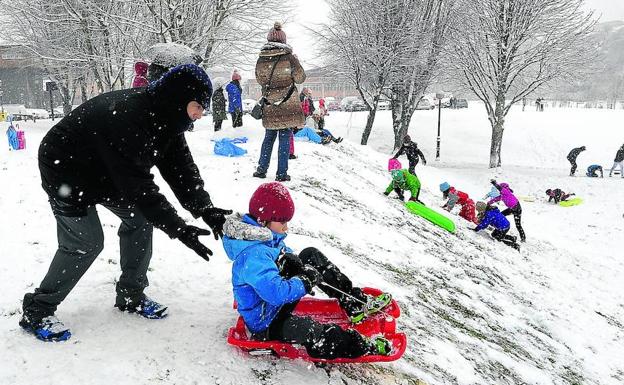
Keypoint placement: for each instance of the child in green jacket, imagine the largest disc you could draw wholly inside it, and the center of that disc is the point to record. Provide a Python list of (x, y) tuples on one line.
[(403, 180)]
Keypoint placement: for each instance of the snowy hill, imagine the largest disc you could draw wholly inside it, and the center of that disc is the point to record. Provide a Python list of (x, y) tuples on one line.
[(475, 311)]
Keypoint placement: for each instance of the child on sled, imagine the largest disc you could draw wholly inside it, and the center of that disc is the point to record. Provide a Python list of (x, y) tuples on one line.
[(557, 195), (269, 280)]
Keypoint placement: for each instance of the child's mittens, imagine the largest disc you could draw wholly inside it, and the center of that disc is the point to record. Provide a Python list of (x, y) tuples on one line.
[(310, 277), (386, 193)]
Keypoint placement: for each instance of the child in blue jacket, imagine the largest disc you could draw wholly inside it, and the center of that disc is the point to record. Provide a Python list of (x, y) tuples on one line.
[(491, 216), (269, 280)]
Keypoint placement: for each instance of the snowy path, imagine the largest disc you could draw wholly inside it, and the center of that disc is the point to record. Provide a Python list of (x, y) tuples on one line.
[(476, 312)]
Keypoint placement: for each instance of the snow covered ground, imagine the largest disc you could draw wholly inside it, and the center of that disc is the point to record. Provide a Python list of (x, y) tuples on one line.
[(476, 312)]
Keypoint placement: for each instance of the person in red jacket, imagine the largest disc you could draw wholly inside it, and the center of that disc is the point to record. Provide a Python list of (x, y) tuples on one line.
[(140, 74), (454, 197)]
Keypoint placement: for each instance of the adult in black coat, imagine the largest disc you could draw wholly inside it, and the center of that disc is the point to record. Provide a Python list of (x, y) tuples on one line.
[(102, 153), (572, 158), (413, 153)]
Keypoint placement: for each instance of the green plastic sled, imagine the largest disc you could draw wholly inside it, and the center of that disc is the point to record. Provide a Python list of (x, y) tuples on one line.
[(430, 215), (571, 202)]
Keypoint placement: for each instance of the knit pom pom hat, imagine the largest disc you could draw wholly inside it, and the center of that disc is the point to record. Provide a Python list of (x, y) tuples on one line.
[(271, 202), (276, 34)]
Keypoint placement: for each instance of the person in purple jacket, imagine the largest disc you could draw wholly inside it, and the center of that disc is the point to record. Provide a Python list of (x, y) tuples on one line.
[(491, 216), (512, 203)]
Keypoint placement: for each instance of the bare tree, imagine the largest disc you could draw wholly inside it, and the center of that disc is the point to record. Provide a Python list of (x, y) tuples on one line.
[(506, 49), (361, 42), (422, 52)]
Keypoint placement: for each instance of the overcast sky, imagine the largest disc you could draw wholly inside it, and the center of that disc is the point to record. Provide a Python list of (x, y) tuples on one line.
[(312, 12)]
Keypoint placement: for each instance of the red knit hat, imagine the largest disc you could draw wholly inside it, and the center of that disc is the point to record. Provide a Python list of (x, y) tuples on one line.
[(236, 75), (276, 34), (271, 202)]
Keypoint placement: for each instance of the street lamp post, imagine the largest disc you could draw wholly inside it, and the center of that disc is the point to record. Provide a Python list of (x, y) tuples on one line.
[(439, 96)]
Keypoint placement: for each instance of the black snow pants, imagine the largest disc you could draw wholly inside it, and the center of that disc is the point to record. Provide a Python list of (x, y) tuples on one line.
[(321, 340), (237, 118), (517, 214), (502, 236), (80, 241), (574, 166)]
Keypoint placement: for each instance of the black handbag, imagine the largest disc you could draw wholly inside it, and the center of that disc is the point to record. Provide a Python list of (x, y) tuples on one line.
[(257, 112)]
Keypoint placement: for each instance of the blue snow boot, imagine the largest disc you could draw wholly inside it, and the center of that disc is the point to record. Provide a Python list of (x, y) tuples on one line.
[(146, 307), (48, 329)]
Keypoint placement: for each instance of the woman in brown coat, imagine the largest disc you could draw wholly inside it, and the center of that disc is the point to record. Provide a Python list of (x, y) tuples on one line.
[(277, 71)]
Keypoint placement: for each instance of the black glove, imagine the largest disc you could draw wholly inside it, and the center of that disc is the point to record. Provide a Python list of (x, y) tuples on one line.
[(290, 265), (493, 181), (215, 218), (386, 193), (310, 277), (189, 236)]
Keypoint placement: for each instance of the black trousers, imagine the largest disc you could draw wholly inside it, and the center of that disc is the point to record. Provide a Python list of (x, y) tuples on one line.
[(573, 163), (501, 236), (321, 340), (412, 165), (217, 124), (517, 214), (237, 118)]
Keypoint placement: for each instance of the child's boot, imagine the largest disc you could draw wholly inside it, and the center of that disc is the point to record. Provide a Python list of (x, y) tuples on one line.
[(373, 305), (380, 346)]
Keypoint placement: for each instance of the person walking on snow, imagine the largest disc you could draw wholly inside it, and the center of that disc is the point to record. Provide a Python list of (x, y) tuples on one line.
[(402, 180), (512, 203), (619, 161), (278, 71), (102, 153), (490, 216), (268, 281), (218, 103), (572, 158), (459, 197), (140, 75), (235, 102), (413, 153)]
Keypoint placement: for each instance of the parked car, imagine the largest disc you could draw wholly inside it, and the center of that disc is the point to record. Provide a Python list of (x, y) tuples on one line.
[(356, 105), (384, 105), (332, 106), (38, 113), (461, 103), (424, 104), (346, 101)]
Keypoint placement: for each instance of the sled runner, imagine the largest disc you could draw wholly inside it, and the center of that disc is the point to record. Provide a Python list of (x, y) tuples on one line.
[(571, 202), (431, 215), (325, 311)]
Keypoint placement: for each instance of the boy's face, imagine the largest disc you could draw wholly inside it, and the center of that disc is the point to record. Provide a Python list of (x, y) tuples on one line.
[(278, 227)]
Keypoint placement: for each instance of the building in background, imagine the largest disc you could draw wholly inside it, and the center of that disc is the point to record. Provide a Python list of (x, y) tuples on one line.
[(22, 80)]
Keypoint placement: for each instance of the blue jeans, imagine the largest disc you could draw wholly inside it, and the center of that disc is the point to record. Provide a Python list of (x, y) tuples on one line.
[(283, 150)]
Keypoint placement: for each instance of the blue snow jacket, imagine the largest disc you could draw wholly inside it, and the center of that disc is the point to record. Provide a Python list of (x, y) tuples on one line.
[(234, 97), (494, 218), (258, 288)]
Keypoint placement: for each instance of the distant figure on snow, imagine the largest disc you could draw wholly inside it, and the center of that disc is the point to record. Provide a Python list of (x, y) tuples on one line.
[(218, 103), (235, 101), (557, 195), (619, 161), (572, 158), (592, 171)]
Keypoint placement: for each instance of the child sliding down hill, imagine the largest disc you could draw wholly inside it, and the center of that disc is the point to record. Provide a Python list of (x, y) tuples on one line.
[(490, 216), (402, 180), (557, 195), (458, 197), (269, 280)]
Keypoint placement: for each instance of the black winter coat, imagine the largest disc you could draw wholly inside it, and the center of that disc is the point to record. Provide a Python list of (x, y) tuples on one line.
[(412, 151), (619, 156), (218, 105), (103, 151), (575, 153)]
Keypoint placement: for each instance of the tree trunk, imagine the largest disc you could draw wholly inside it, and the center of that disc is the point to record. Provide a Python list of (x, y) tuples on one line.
[(497, 141), (369, 121)]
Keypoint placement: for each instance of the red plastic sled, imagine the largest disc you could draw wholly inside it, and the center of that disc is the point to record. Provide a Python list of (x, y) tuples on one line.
[(328, 310)]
